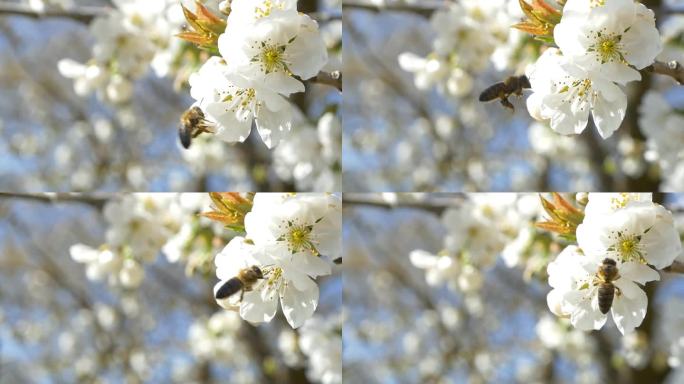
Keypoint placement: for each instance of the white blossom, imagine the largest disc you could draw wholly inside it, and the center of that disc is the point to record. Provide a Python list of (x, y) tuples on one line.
[(608, 38), (274, 48), (287, 238), (573, 277), (321, 341), (232, 102), (566, 94), (639, 232)]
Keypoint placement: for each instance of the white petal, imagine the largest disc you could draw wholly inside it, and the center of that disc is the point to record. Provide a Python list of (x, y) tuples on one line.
[(629, 309), (298, 306), (283, 83), (586, 316), (310, 265), (608, 115), (423, 259), (231, 129), (272, 126), (638, 272), (662, 244), (82, 253), (259, 306)]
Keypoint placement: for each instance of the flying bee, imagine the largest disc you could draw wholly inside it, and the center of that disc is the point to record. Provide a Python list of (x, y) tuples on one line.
[(607, 274), (192, 124), (513, 85), (244, 281)]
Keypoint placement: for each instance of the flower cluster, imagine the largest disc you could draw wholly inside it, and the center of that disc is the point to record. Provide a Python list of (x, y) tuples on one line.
[(141, 225), (310, 156), (134, 36), (266, 51), (601, 46), (470, 35), (291, 239), (634, 234), (319, 341), (672, 332), (478, 231), (661, 123)]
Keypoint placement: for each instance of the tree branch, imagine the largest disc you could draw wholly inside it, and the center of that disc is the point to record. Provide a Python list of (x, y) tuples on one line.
[(83, 14), (673, 69), (432, 205), (426, 9), (51, 198), (676, 267)]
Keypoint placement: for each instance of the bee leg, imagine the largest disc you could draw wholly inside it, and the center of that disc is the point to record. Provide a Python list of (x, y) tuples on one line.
[(242, 295), (507, 104)]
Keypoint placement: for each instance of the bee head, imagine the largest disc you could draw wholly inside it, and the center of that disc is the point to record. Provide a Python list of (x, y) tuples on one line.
[(257, 272), (608, 261)]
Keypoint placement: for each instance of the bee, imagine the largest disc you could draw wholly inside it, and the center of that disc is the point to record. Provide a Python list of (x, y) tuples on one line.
[(192, 124), (513, 85), (244, 281), (607, 273)]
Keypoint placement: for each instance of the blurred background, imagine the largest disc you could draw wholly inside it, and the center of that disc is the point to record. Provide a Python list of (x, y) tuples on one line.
[(98, 321), (411, 322), (417, 126), (93, 92)]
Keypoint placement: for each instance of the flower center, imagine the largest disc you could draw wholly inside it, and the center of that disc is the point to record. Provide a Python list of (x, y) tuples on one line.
[(581, 89), (243, 98), (627, 247), (300, 238), (272, 58), (607, 47)]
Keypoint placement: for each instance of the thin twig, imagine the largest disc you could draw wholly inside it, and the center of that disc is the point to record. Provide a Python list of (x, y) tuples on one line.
[(426, 9), (97, 201), (333, 79), (436, 206), (83, 14), (324, 17), (673, 69)]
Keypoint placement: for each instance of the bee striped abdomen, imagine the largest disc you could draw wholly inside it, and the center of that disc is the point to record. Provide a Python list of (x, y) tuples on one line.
[(606, 293), (230, 288), (185, 137)]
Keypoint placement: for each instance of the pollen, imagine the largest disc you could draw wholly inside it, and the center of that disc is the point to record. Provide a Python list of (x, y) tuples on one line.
[(275, 276), (620, 202)]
